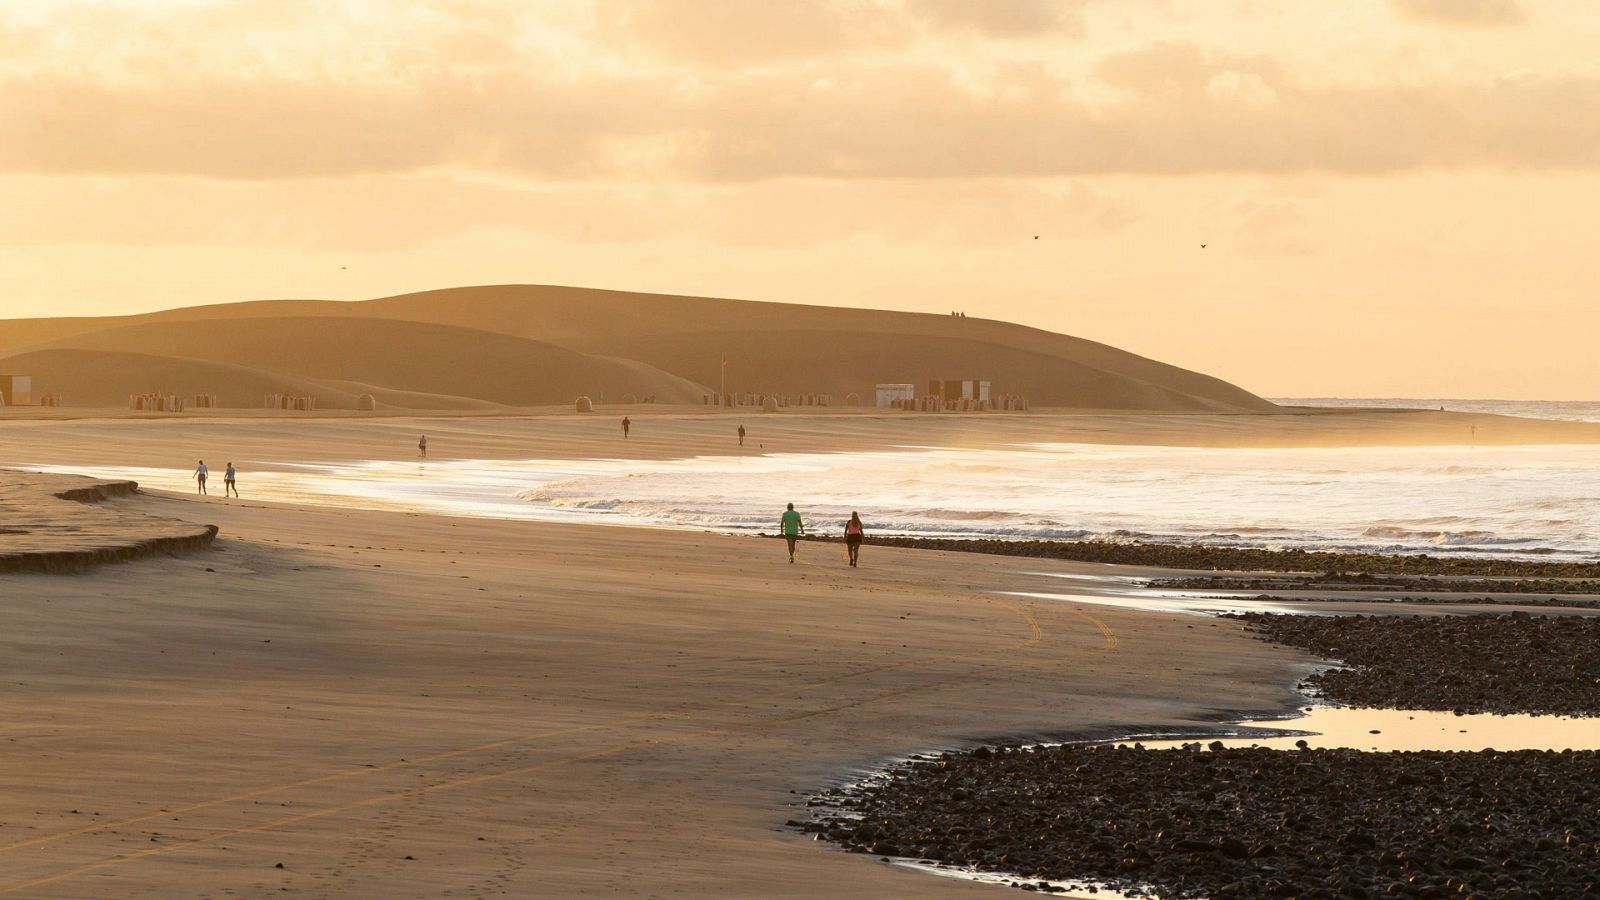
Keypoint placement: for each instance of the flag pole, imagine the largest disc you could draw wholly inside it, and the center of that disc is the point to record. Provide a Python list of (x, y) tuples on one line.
[(723, 400)]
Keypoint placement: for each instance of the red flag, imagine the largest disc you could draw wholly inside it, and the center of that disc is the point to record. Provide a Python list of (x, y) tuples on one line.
[(724, 360)]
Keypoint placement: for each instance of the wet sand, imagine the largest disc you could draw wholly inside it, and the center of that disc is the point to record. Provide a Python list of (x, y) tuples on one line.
[(613, 711)]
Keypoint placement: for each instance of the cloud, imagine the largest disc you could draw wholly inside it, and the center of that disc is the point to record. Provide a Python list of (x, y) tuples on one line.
[(258, 90), (1461, 12), (1003, 18), (1173, 110), (724, 32)]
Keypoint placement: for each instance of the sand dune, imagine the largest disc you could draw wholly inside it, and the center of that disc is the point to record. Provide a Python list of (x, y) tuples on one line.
[(533, 344), (407, 364)]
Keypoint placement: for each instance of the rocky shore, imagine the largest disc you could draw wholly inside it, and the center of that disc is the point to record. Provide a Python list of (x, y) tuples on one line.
[(1558, 602), (1515, 663), (1242, 822), (1244, 559), (1342, 581)]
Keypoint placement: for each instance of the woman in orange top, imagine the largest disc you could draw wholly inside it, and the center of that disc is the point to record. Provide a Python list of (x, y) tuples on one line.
[(853, 535)]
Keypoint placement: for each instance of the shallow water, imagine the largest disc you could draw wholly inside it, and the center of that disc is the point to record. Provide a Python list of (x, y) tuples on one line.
[(1133, 593), (1538, 502), (1406, 729)]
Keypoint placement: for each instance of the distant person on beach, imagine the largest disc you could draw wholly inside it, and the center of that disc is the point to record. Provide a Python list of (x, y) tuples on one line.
[(741, 435), (625, 426), (854, 534), (422, 446), (792, 528), (230, 477), (200, 473)]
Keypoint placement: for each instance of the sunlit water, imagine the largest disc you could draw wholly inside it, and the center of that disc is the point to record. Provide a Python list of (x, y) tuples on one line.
[(1408, 729), (1559, 410), (1525, 501)]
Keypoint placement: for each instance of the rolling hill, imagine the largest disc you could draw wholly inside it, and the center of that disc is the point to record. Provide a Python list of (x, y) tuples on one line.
[(522, 345)]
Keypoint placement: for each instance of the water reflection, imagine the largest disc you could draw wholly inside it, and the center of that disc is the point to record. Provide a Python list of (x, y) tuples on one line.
[(1408, 729)]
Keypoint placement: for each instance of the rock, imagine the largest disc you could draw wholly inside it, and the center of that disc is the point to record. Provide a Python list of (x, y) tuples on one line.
[(1233, 848), (1249, 822)]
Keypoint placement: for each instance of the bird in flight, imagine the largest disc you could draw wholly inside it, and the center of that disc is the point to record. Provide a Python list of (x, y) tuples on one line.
[(1202, 246), (1036, 237)]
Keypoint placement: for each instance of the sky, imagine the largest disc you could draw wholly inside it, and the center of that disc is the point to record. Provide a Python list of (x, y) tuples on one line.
[(1372, 198)]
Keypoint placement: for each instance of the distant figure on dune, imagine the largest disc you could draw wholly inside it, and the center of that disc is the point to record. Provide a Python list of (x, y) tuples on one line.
[(854, 534), (792, 528), (200, 473), (422, 447), (230, 477), (741, 435), (625, 426)]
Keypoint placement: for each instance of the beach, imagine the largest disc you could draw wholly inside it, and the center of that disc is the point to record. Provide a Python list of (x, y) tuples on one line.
[(394, 704)]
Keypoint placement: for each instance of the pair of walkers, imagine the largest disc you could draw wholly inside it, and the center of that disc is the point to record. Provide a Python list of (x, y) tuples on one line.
[(230, 478), (793, 527)]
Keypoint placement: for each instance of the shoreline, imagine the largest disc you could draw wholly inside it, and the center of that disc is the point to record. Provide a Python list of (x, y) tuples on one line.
[(364, 695), (384, 685), (1203, 557), (919, 810)]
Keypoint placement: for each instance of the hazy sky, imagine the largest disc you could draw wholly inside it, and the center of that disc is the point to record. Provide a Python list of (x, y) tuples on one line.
[(1400, 197)]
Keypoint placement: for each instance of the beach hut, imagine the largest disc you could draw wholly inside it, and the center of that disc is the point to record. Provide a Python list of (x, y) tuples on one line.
[(584, 404), (366, 403), (16, 390), (769, 404)]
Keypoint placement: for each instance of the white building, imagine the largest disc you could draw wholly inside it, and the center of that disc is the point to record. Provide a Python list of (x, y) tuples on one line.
[(16, 390), (889, 393)]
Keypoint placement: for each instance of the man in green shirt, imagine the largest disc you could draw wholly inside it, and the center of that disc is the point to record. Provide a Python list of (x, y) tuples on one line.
[(792, 528)]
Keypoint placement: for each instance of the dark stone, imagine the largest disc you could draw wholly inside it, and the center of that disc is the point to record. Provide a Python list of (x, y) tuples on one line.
[(1243, 822)]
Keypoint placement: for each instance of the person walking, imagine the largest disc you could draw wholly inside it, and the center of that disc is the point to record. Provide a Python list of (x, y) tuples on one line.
[(230, 477), (792, 528), (625, 426), (422, 446), (854, 534), (741, 435), (200, 472)]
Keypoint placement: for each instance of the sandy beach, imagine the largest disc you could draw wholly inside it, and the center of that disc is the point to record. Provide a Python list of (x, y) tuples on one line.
[(1189, 369), (394, 704), (611, 710)]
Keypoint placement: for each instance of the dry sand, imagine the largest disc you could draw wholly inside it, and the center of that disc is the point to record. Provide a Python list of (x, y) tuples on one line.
[(400, 705)]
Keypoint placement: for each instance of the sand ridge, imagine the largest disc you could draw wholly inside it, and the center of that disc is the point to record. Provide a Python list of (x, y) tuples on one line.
[(54, 523)]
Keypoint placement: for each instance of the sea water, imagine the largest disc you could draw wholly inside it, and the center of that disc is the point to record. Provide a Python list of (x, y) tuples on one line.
[(1519, 501), (1559, 410)]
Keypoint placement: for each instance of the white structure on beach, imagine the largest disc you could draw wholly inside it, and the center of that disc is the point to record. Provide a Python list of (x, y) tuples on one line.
[(16, 390), (889, 393)]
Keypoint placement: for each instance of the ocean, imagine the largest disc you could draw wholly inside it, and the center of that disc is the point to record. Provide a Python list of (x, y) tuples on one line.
[(1560, 410), (1526, 502)]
